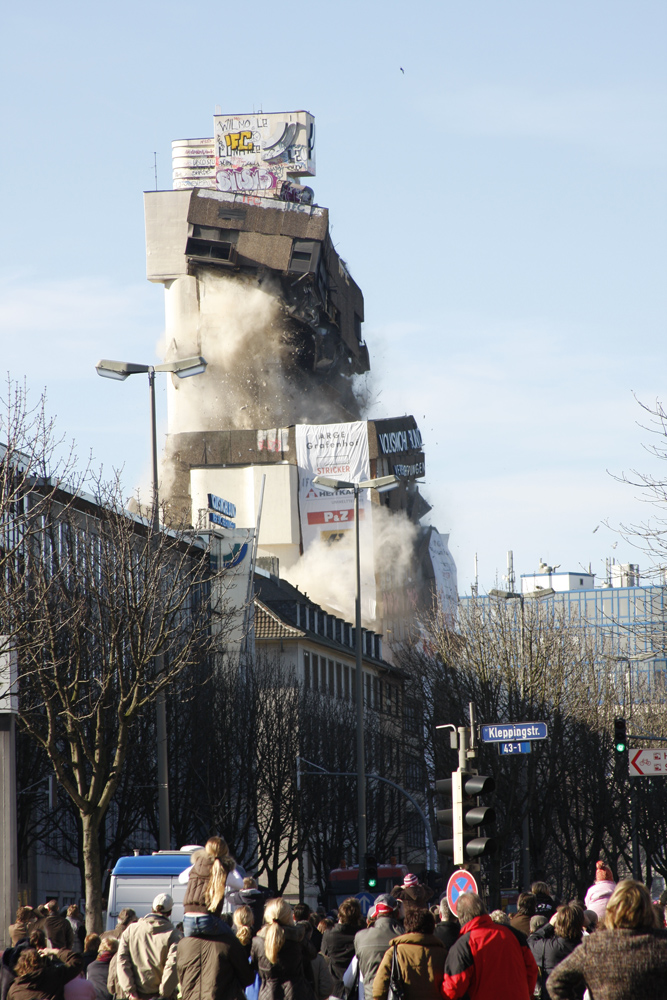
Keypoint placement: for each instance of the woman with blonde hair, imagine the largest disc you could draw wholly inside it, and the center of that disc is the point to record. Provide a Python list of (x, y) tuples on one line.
[(212, 872), (626, 961), (279, 953), (243, 923)]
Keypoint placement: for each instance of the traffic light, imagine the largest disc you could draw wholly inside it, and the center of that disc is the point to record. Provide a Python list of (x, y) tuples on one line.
[(620, 737), (465, 814), (445, 816), (371, 869)]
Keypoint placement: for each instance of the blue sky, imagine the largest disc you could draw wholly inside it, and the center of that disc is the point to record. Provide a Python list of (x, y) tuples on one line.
[(501, 203)]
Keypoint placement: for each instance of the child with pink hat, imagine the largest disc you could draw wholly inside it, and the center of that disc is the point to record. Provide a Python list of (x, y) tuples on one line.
[(598, 895)]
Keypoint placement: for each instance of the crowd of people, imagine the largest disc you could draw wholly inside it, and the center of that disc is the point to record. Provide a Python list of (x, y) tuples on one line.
[(234, 945)]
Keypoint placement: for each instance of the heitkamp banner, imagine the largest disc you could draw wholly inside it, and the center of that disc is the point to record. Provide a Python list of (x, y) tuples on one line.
[(341, 452)]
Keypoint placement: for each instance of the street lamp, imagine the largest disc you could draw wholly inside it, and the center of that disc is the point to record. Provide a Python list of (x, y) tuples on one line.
[(120, 370), (382, 485)]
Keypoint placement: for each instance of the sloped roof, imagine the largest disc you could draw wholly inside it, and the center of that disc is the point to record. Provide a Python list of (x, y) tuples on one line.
[(268, 625)]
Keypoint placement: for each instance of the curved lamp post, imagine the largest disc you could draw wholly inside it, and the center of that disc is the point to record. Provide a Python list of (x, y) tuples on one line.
[(120, 370)]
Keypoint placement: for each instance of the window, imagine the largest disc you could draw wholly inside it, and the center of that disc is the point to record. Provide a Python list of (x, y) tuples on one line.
[(414, 831), (305, 256), (346, 675), (339, 680), (413, 774), (216, 244), (369, 692), (306, 669), (411, 717), (323, 673), (316, 671), (353, 684), (331, 678)]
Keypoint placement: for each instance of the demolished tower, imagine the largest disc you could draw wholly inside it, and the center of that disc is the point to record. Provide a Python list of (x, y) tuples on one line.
[(254, 284)]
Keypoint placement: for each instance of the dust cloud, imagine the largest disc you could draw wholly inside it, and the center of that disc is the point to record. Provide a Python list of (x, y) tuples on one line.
[(326, 570), (255, 375)]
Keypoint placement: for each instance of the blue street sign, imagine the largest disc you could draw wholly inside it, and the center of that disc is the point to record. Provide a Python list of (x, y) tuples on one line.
[(514, 748), (512, 732), (367, 899)]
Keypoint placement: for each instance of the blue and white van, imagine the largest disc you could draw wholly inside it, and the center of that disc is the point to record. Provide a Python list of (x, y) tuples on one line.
[(136, 881)]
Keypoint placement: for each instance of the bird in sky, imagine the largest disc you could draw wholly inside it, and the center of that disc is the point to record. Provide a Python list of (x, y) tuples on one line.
[(595, 529), (402, 70)]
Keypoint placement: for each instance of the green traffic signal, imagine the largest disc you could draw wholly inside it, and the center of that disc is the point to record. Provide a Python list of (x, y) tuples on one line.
[(371, 872), (620, 736)]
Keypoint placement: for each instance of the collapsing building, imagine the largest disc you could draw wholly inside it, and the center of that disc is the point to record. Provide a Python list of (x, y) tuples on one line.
[(254, 284)]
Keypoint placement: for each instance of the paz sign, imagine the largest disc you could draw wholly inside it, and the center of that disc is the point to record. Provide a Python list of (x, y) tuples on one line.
[(646, 762)]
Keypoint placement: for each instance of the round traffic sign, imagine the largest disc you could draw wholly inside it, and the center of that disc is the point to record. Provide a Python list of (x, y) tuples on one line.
[(459, 882)]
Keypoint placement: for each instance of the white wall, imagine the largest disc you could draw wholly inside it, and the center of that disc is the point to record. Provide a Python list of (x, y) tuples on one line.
[(279, 531)]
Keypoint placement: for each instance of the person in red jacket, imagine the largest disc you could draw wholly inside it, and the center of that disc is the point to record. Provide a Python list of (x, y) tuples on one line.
[(489, 961)]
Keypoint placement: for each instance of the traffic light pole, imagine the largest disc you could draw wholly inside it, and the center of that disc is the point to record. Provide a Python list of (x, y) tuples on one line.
[(636, 861), (463, 748), (464, 785), (525, 836)]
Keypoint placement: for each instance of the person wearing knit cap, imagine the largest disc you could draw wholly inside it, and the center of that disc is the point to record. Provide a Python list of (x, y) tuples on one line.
[(371, 944), (600, 892), (411, 891)]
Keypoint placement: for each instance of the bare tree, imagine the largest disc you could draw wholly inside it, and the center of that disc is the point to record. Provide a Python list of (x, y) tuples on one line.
[(521, 662), (92, 599)]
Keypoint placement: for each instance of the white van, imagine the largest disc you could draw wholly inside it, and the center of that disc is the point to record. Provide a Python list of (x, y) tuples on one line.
[(136, 881)]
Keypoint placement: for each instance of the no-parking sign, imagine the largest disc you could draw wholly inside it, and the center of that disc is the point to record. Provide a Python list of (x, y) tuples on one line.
[(459, 883)]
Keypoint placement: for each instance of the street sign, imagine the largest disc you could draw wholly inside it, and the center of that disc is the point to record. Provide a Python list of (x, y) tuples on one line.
[(459, 883), (509, 732), (646, 762), (366, 899), (504, 748)]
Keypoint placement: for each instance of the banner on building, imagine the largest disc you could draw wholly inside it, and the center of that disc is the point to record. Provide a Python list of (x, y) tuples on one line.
[(444, 573), (339, 451)]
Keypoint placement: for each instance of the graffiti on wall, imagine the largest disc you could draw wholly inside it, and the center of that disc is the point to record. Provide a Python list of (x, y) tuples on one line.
[(281, 144), (250, 178)]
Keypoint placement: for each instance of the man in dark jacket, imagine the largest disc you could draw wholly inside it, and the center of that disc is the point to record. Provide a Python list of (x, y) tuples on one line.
[(371, 944), (489, 961), (449, 928), (254, 897), (525, 910), (57, 927), (215, 968), (544, 901), (338, 943)]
